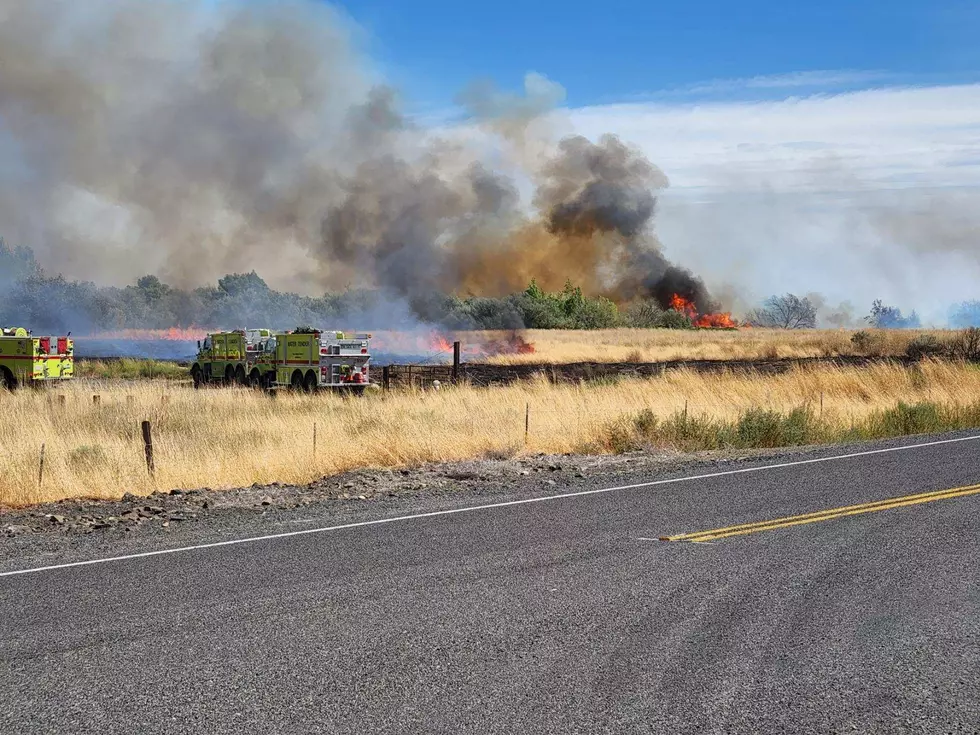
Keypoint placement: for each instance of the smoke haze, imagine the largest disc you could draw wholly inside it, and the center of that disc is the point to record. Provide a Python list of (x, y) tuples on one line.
[(193, 139)]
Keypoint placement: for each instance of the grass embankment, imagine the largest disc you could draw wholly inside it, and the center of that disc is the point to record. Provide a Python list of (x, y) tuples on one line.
[(234, 437), (655, 345), (130, 369)]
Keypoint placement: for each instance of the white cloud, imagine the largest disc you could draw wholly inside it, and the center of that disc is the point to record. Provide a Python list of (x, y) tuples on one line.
[(868, 194)]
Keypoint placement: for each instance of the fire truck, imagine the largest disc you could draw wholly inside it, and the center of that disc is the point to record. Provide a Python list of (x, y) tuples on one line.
[(29, 360), (303, 359)]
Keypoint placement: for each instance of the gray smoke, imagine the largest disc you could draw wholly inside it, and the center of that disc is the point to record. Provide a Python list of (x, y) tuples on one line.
[(191, 139)]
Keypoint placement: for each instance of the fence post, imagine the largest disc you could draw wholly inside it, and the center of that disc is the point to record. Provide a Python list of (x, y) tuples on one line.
[(527, 421), (456, 350), (821, 404), (386, 377), (95, 399), (40, 469), (61, 400), (685, 418), (148, 446)]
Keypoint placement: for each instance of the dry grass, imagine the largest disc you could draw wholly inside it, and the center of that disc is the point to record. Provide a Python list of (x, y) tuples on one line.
[(231, 437), (654, 345)]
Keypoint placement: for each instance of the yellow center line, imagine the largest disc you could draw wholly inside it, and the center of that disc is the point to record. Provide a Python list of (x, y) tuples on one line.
[(825, 515)]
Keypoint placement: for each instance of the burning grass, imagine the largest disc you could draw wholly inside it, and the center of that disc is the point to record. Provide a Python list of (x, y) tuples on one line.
[(232, 437)]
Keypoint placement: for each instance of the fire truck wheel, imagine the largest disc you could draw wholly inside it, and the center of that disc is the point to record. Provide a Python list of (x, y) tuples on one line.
[(7, 379), (240, 376), (196, 376), (229, 374), (296, 382), (310, 384), (255, 379)]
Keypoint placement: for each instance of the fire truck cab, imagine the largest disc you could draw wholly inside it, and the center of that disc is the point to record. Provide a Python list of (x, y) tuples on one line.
[(29, 360)]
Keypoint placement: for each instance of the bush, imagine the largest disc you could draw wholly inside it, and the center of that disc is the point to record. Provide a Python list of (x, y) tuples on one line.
[(925, 345), (867, 343), (966, 344)]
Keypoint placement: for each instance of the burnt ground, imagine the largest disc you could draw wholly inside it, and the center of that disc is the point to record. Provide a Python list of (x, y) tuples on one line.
[(180, 515)]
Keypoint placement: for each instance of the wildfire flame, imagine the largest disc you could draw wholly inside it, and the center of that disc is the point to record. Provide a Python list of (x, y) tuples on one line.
[(473, 346), (173, 334), (718, 320)]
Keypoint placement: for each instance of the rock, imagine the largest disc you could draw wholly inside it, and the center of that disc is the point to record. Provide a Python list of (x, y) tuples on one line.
[(362, 497), (554, 467), (176, 491), (128, 497), (550, 482), (266, 501), (17, 530), (525, 472), (348, 485), (205, 505), (55, 519), (154, 509)]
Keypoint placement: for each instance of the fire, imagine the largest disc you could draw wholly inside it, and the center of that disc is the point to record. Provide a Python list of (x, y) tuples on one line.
[(719, 320), (439, 345), (174, 334)]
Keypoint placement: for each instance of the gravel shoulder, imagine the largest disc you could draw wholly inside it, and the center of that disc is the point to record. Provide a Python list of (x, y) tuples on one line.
[(82, 528)]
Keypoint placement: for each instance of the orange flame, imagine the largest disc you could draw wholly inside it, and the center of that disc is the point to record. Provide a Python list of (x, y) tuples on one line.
[(176, 334), (719, 320), (472, 347)]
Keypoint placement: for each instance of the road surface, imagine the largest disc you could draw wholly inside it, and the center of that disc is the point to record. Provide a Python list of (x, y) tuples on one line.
[(557, 616)]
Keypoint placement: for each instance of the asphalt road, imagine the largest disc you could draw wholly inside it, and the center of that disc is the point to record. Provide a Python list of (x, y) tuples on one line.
[(554, 616)]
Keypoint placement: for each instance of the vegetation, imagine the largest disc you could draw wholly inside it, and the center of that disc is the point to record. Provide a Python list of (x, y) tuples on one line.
[(130, 369), (891, 317), (235, 437), (646, 345), (784, 312)]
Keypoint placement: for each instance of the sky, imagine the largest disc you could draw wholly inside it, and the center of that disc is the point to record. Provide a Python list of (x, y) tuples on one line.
[(625, 49), (828, 146)]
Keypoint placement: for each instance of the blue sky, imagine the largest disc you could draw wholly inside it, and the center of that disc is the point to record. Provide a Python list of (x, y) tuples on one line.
[(619, 50)]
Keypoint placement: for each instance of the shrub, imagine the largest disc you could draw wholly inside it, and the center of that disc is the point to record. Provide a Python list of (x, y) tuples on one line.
[(966, 344), (925, 345)]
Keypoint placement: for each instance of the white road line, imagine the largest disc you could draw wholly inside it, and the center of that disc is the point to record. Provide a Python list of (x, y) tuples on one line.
[(488, 506)]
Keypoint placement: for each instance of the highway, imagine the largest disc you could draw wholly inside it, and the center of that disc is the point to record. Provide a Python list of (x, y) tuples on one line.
[(566, 614)]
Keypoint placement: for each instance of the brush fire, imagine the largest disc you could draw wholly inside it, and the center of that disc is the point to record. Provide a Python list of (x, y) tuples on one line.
[(716, 320)]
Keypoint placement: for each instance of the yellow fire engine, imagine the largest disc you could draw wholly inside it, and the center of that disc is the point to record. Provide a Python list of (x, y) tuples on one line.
[(302, 359), (26, 359)]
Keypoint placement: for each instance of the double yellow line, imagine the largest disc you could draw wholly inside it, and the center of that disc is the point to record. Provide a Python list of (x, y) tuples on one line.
[(825, 515)]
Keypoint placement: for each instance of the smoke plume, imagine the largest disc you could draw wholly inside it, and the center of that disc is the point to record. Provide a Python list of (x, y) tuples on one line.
[(191, 139)]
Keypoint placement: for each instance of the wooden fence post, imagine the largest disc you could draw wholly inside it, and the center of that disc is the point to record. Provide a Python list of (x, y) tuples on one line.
[(527, 421), (456, 350), (95, 399), (148, 446), (40, 469), (386, 377)]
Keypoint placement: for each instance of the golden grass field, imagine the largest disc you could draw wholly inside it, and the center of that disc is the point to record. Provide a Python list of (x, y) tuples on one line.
[(234, 437), (655, 345)]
